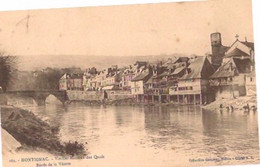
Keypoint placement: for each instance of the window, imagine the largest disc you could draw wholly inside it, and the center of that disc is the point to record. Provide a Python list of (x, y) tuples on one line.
[(251, 79)]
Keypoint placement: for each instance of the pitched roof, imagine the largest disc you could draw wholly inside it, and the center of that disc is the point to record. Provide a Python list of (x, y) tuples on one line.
[(173, 61), (179, 59), (238, 66), (142, 76), (196, 68), (150, 80), (178, 70), (236, 52), (165, 73), (224, 70), (240, 48)]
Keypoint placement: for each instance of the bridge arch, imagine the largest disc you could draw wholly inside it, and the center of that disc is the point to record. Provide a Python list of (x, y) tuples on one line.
[(51, 99), (40, 96)]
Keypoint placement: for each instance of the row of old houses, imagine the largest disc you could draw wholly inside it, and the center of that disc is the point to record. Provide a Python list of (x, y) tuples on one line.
[(226, 73)]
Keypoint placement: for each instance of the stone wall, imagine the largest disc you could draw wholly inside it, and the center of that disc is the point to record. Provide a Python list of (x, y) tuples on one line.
[(97, 95)]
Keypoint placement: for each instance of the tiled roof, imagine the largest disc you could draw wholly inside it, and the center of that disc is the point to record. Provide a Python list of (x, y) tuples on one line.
[(150, 80), (165, 73), (183, 59), (174, 61), (239, 66), (225, 71), (195, 69), (236, 52), (178, 70), (141, 76)]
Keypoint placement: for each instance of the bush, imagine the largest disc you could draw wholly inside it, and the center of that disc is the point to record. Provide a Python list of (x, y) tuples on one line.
[(74, 148)]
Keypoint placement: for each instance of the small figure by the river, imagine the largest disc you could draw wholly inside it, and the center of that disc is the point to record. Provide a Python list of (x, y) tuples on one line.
[(221, 108), (247, 108), (254, 108), (227, 108), (231, 108)]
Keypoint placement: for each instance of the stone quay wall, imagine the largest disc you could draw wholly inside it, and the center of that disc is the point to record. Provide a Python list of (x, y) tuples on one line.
[(74, 95)]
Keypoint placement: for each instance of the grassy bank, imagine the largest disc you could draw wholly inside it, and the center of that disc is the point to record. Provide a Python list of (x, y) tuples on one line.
[(34, 133)]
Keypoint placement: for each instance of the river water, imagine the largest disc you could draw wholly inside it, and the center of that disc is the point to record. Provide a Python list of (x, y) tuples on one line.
[(156, 135)]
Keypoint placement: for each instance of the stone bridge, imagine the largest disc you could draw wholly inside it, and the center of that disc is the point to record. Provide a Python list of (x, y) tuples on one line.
[(40, 95)]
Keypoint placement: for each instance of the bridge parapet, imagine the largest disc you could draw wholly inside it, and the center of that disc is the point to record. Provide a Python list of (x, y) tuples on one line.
[(39, 96)]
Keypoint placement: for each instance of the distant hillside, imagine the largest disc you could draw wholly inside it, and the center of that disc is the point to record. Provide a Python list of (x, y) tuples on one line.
[(100, 62)]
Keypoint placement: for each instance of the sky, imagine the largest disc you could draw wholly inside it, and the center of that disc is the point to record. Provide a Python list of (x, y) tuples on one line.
[(145, 29)]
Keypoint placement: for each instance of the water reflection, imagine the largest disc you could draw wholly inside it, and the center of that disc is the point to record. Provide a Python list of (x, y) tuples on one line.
[(229, 134), (168, 133)]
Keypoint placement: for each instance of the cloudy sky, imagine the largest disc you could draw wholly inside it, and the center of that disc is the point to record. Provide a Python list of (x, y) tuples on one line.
[(163, 28)]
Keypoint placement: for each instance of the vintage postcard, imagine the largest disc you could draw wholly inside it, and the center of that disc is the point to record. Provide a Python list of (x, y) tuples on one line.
[(151, 85)]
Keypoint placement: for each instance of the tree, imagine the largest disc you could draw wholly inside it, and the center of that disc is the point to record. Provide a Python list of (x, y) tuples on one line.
[(48, 79), (7, 64), (92, 71)]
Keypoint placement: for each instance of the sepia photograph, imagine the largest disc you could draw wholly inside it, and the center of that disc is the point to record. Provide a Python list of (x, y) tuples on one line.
[(152, 85)]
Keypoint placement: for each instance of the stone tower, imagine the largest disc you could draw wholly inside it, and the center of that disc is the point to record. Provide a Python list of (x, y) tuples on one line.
[(218, 50)]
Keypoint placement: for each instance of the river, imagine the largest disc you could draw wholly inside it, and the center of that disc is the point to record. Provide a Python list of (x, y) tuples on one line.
[(156, 135)]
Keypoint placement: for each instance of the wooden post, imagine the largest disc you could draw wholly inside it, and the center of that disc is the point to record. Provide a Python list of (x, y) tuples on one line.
[(168, 98), (152, 98), (200, 98), (194, 99), (160, 98), (178, 99)]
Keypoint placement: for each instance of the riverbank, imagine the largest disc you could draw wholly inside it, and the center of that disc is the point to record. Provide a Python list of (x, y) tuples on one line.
[(33, 133), (9, 144), (238, 103)]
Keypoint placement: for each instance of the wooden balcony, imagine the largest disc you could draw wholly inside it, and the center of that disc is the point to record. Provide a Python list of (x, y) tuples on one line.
[(156, 91)]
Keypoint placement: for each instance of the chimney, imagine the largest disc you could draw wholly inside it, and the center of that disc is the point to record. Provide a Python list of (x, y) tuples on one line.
[(150, 69)]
